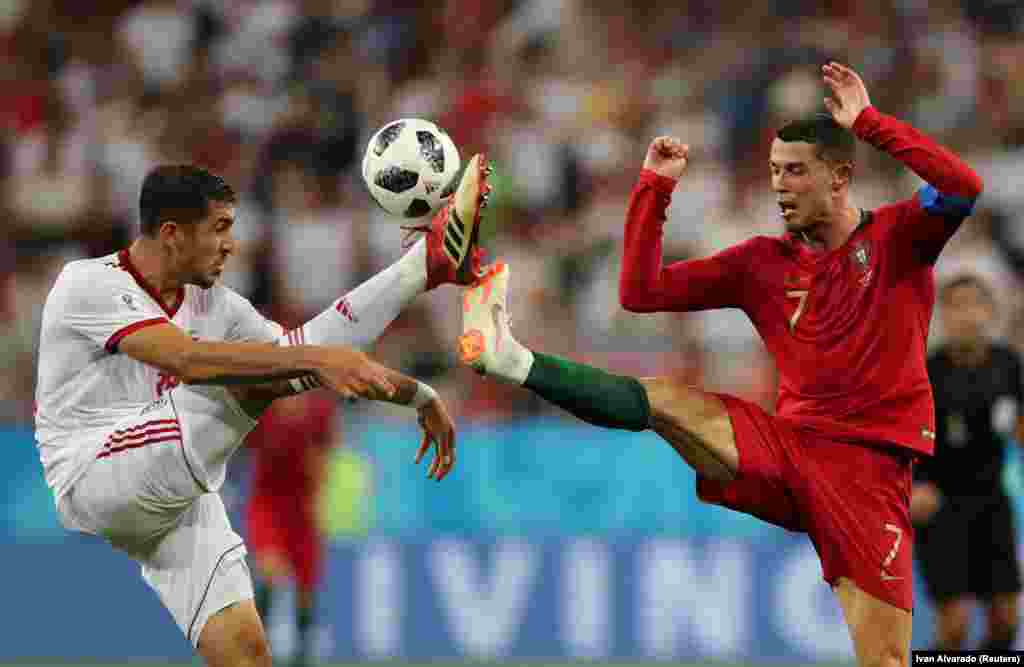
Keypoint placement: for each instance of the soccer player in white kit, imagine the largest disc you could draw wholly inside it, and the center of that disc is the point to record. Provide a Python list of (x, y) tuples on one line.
[(151, 373)]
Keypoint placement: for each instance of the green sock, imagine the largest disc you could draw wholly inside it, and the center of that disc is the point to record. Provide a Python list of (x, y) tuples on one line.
[(593, 395), (262, 599)]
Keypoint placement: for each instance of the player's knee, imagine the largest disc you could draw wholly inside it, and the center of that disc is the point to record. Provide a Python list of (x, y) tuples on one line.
[(886, 653), (1002, 625), (953, 625)]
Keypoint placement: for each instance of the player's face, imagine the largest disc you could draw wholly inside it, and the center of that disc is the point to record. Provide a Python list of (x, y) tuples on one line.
[(210, 243), (802, 183), (967, 315)]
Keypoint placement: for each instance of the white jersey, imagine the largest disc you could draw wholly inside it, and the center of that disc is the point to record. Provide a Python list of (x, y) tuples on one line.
[(84, 385)]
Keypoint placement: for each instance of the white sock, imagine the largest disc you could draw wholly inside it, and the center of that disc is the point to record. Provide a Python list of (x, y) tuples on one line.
[(360, 317), (516, 364), (512, 359)]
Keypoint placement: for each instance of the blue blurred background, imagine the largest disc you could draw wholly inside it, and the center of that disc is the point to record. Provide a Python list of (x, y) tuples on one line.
[(552, 539)]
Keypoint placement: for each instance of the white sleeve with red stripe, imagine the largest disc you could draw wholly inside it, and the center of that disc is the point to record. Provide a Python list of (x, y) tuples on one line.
[(105, 305), (246, 323)]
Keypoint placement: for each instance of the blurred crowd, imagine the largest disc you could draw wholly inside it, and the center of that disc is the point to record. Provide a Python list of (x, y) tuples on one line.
[(281, 96)]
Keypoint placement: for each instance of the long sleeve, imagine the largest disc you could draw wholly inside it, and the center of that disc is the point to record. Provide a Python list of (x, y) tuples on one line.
[(936, 165), (918, 229), (646, 286)]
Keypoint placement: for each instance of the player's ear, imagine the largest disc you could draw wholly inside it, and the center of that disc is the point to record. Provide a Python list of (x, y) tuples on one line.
[(842, 175), (170, 233), (167, 230)]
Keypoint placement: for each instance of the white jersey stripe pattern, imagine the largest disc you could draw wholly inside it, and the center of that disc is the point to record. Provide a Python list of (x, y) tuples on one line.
[(148, 433)]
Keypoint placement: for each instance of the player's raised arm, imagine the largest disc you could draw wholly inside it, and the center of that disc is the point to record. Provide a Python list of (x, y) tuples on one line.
[(644, 284), (938, 166), (952, 185)]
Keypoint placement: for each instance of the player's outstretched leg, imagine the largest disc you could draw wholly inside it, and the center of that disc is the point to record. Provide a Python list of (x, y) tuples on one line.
[(695, 423)]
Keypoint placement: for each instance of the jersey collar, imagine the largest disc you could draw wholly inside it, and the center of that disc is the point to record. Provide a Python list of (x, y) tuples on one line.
[(126, 261), (796, 242)]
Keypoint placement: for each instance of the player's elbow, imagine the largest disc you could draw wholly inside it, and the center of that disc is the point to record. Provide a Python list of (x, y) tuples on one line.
[(634, 296), (634, 302), (973, 185)]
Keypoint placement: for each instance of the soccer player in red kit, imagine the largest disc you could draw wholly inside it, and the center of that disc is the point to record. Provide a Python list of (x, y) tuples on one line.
[(842, 301), (289, 448)]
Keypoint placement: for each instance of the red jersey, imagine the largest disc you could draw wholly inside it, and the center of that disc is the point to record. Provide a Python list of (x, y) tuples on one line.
[(286, 446), (847, 329)]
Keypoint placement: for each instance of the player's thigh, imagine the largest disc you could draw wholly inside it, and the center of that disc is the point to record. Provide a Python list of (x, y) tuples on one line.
[(199, 567), (214, 425), (879, 630), (696, 423), (233, 637), (764, 447)]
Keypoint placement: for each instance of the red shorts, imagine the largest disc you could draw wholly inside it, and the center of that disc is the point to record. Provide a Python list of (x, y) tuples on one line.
[(852, 500), (275, 527)]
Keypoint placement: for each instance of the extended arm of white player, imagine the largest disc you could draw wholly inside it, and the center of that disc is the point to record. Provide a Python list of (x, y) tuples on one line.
[(168, 348), (267, 366)]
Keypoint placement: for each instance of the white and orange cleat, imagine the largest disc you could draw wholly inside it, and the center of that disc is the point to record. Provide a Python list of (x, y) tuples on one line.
[(486, 343), (453, 236)]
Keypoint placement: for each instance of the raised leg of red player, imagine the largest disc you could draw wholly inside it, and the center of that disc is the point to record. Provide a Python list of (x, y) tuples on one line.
[(697, 425)]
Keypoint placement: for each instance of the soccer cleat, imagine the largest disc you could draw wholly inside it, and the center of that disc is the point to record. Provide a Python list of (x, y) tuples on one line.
[(486, 343), (453, 251)]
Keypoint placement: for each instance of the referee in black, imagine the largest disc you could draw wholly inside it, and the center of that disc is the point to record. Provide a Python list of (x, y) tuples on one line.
[(966, 542)]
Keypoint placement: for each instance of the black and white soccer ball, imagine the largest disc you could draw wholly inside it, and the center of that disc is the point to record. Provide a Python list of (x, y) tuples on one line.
[(410, 167)]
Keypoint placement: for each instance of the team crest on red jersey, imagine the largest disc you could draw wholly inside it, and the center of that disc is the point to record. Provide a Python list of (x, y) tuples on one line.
[(861, 258), (861, 255)]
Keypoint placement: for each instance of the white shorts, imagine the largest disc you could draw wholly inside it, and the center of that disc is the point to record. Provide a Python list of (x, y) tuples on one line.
[(152, 493)]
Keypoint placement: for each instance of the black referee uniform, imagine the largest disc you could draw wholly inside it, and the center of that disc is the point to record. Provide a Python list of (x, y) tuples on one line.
[(969, 546)]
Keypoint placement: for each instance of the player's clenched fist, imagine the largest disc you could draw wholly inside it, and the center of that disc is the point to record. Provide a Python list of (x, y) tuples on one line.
[(352, 374), (667, 156)]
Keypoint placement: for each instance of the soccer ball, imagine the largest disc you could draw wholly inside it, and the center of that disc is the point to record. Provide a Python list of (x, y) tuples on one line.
[(410, 167)]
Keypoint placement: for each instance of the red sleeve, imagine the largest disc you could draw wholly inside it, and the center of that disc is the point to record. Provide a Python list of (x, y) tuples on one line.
[(698, 284), (919, 229), (936, 165)]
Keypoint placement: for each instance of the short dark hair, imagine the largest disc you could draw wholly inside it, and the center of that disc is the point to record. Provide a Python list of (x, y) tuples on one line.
[(968, 280), (832, 141), (181, 193)]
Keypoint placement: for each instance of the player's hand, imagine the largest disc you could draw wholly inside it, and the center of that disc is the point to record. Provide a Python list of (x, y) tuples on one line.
[(667, 156), (925, 500), (352, 374), (849, 94), (438, 429)]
